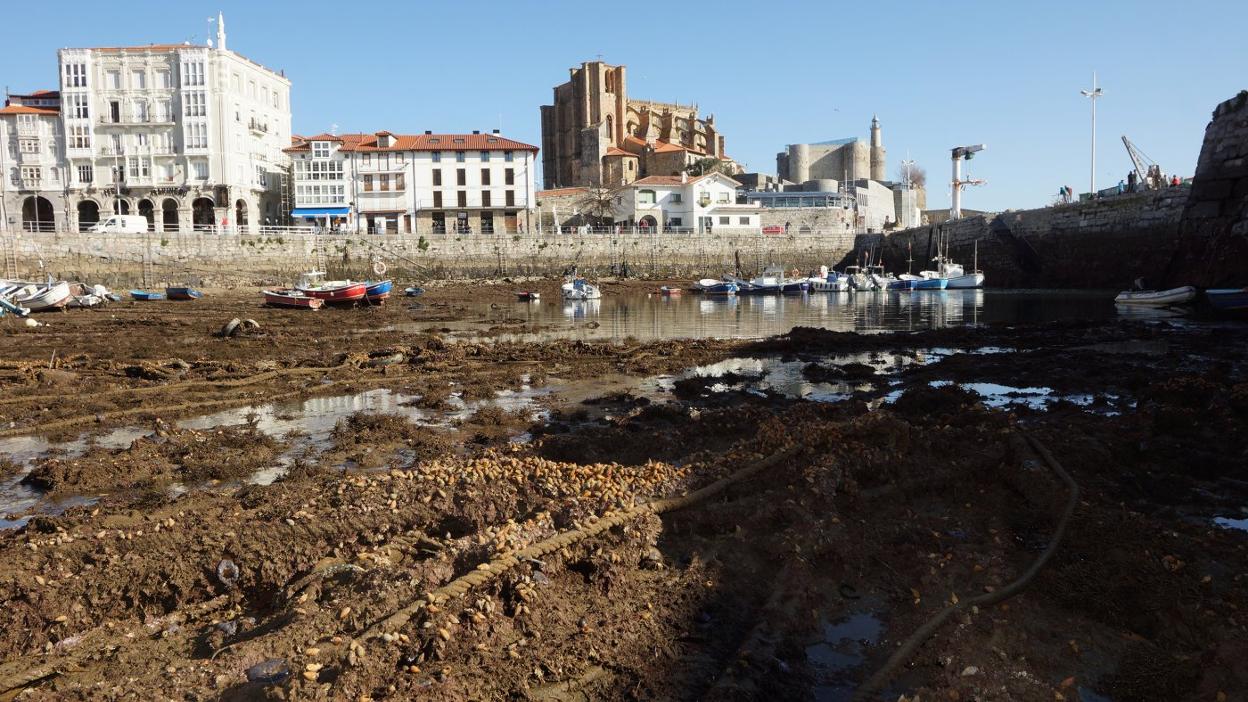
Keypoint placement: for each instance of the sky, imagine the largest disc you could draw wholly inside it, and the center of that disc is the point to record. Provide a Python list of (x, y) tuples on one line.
[(938, 75)]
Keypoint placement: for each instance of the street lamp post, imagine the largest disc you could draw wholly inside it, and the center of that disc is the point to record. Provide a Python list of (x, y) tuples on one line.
[(1092, 95)]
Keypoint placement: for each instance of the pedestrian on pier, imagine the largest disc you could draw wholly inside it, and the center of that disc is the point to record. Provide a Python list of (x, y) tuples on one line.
[(1174, 181), (1131, 181)]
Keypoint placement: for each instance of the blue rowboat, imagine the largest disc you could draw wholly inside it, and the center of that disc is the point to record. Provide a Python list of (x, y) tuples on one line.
[(1228, 299), (795, 287), (183, 293), (931, 284), (378, 291), (413, 291), (721, 288), (903, 284), (145, 296)]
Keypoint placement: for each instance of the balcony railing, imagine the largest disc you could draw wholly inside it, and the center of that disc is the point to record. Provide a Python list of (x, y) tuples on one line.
[(258, 127)]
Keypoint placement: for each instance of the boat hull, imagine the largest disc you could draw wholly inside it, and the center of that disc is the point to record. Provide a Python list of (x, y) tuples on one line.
[(291, 298), (1228, 299), (931, 284), (720, 289), (376, 292), (797, 288), (967, 281), (528, 296), (337, 294), (48, 297), (183, 294), (1157, 298), (145, 296)]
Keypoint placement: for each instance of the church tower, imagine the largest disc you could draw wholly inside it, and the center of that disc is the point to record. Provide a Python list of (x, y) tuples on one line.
[(877, 150)]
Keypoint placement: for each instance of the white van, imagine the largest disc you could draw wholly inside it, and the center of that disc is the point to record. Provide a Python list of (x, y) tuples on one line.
[(121, 224)]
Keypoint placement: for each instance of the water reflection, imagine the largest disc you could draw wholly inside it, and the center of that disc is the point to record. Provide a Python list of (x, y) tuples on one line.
[(653, 317)]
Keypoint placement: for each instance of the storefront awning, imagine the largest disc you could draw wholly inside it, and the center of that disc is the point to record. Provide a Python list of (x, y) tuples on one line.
[(319, 211)]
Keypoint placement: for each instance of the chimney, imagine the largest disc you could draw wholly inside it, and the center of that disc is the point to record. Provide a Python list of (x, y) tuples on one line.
[(684, 176), (476, 131), (428, 131), (496, 131)]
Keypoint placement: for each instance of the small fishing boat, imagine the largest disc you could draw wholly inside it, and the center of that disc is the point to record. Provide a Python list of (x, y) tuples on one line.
[(182, 293), (83, 296), (744, 287), (902, 284), (6, 306), (710, 286), (289, 297), (413, 291), (580, 289), (668, 291), (528, 296), (1228, 299), (881, 279), (376, 291), (828, 281), (146, 296), (794, 287), (331, 292), (858, 279), (1157, 298), (37, 297), (923, 282)]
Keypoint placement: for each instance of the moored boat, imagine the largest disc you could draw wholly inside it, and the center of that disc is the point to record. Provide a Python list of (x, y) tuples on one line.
[(42, 296), (580, 289), (331, 292), (1160, 298), (289, 297), (182, 293), (1228, 299), (413, 291), (376, 291), (858, 279), (528, 296), (668, 291), (146, 295)]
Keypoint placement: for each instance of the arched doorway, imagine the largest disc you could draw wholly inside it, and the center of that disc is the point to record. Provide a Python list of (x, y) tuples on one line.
[(240, 213), (121, 206), (88, 214), (804, 230), (37, 214), (648, 222), (148, 211), (201, 213), (169, 214)]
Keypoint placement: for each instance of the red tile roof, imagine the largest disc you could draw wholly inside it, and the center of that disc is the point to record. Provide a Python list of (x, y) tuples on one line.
[(28, 110), (666, 180), (420, 142), (616, 151)]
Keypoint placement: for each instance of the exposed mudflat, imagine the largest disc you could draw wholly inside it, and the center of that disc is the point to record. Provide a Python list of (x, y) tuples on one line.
[(324, 507)]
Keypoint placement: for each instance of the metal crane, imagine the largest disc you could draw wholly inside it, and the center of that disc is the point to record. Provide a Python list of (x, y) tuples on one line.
[(960, 153), (1144, 166)]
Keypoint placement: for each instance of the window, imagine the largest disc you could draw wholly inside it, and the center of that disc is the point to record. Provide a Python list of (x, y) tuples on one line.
[(459, 157), (163, 112), (368, 184), (54, 174), (461, 176), (275, 100), (29, 146), (251, 89), (437, 177), (743, 221), (78, 107), (140, 111), (509, 156), (192, 73), (437, 199), (511, 198), (32, 174), (200, 170), (86, 175), (166, 172), (384, 182), (677, 198), (260, 176), (138, 167), (485, 198), (485, 156), (138, 80), (398, 182), (487, 222), (112, 80), (645, 197), (163, 79), (485, 176), (368, 159), (75, 75), (196, 135), (437, 156), (723, 198), (236, 82), (114, 111), (79, 136), (320, 149), (675, 222), (264, 94), (140, 140), (318, 170), (461, 198), (195, 104), (725, 220)]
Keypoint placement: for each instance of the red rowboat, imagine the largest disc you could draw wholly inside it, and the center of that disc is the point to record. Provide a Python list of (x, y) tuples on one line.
[(291, 298)]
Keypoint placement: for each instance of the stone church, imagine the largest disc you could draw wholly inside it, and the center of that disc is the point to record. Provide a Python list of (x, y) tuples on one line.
[(594, 134)]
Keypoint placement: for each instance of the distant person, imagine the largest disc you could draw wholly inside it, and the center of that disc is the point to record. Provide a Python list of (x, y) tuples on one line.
[(1139, 283), (1174, 181), (1121, 187), (1131, 181)]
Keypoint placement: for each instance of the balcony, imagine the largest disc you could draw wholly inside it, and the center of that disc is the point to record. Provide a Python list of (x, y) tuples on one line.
[(258, 127), (27, 130)]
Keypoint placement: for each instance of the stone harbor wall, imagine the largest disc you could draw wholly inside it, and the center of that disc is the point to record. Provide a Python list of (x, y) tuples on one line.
[(231, 260)]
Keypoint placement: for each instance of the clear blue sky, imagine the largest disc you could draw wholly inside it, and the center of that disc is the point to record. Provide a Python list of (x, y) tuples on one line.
[(937, 74)]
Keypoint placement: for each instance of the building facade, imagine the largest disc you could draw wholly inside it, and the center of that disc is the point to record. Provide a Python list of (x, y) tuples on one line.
[(840, 159), (414, 183), (595, 135), (32, 161), (683, 203), (186, 135)]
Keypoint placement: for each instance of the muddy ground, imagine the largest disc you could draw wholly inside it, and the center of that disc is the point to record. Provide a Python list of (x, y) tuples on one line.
[(840, 525)]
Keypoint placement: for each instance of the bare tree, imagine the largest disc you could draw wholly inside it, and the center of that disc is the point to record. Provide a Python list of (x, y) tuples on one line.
[(916, 175), (710, 164), (599, 203)]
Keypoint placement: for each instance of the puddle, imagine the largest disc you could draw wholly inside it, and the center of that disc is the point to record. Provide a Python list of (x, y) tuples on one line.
[(1231, 523), (834, 659), (1038, 398)]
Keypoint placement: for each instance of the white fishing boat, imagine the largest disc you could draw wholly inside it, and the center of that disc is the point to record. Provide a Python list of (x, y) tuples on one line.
[(37, 297), (957, 276), (858, 278), (881, 279), (581, 289), (1157, 298), (828, 281)]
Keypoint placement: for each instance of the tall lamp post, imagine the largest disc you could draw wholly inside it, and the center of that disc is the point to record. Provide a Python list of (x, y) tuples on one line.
[(1092, 95)]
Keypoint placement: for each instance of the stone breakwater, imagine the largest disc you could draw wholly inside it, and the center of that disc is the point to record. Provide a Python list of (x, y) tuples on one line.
[(229, 260)]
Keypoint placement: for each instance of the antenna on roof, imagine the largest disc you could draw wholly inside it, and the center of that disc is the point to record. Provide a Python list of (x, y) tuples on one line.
[(333, 129)]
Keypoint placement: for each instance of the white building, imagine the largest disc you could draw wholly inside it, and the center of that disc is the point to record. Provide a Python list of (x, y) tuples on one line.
[(32, 161), (186, 135), (404, 183), (705, 203)]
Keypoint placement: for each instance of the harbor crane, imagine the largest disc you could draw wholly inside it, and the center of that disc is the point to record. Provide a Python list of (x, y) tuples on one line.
[(1147, 171), (960, 154)]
